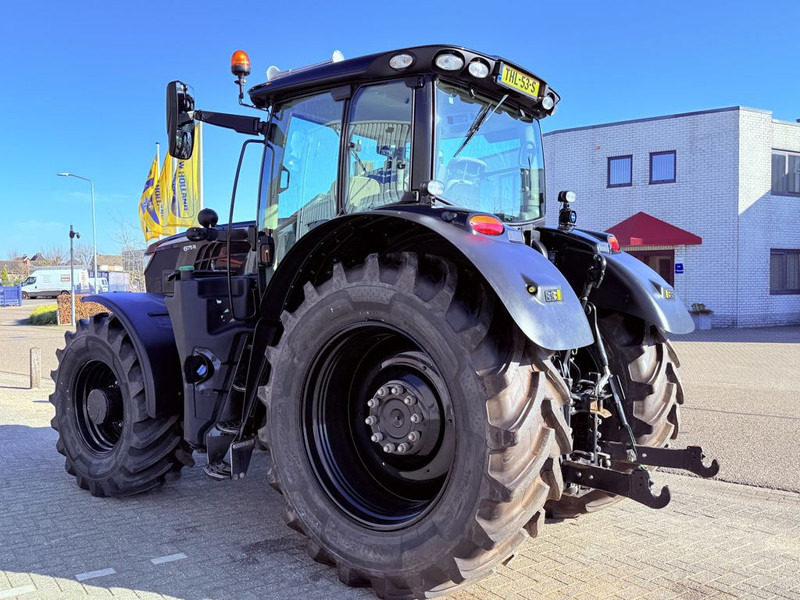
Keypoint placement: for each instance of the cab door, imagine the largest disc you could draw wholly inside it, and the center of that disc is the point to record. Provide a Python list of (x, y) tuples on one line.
[(301, 169)]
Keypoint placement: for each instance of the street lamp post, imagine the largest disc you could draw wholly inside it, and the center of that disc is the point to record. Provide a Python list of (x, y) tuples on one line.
[(94, 225), (72, 234)]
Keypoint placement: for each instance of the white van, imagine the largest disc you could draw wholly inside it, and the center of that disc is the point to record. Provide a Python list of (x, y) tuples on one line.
[(49, 283)]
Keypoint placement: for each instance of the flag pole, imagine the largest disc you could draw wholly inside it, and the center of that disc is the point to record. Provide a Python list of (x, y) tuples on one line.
[(200, 163), (158, 172)]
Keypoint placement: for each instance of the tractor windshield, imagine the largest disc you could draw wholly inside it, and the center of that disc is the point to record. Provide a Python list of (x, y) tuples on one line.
[(488, 155)]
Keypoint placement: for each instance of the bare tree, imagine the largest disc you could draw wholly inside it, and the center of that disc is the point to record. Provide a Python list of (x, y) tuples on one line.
[(132, 247), (54, 255), (84, 254)]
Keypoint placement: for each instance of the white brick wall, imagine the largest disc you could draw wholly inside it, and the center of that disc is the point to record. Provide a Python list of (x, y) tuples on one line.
[(723, 177), (765, 220)]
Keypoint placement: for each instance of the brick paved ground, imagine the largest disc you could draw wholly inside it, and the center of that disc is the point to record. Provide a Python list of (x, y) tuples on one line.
[(227, 540)]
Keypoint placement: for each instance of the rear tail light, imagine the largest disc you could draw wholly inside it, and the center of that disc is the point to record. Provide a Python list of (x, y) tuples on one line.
[(486, 224)]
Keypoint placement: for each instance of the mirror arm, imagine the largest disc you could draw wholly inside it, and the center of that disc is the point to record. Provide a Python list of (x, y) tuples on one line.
[(239, 123)]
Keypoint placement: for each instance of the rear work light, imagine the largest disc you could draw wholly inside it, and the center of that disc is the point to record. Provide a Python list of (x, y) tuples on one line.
[(487, 225)]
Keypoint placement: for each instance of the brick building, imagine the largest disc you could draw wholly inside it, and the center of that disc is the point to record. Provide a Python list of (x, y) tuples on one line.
[(709, 199)]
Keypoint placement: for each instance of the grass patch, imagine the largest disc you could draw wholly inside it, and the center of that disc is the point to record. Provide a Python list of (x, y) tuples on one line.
[(45, 315)]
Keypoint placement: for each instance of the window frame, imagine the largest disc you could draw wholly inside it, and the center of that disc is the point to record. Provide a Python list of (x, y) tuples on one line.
[(674, 167), (630, 171), (787, 154), (782, 252), (344, 155)]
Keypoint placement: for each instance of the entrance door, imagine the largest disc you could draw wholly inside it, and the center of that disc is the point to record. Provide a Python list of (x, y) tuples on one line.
[(661, 261)]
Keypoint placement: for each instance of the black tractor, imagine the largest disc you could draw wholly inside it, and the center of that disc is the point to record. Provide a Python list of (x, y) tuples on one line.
[(429, 368)]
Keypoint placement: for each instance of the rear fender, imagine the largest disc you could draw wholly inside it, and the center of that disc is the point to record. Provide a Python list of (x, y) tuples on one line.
[(629, 285), (537, 296), (147, 323)]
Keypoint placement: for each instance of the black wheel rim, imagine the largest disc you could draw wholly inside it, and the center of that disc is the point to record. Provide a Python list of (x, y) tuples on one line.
[(370, 391), (98, 407)]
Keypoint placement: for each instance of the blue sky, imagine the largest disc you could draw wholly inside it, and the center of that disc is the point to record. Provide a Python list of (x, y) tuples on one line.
[(83, 82)]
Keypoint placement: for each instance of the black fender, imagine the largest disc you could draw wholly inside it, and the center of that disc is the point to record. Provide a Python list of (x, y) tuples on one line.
[(629, 285), (534, 292), (147, 323)]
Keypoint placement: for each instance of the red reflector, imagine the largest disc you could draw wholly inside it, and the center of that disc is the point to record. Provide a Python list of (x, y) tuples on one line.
[(614, 243), (487, 225)]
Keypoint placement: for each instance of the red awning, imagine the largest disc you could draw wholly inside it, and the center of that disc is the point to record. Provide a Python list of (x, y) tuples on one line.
[(645, 230)]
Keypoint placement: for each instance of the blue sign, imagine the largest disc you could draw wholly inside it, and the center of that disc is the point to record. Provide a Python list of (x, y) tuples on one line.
[(679, 267)]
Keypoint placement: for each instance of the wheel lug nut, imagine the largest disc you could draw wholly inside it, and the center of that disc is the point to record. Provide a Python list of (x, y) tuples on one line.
[(410, 400), (388, 448), (402, 448), (377, 437), (413, 436), (382, 392), (416, 418), (396, 390), (373, 402), (370, 420)]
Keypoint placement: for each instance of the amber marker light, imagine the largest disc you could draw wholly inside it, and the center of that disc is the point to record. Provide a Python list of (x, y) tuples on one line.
[(240, 63), (486, 224), (614, 243)]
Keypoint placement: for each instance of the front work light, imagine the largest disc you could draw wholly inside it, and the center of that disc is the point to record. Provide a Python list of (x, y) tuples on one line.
[(401, 61), (486, 224), (448, 61), (548, 102)]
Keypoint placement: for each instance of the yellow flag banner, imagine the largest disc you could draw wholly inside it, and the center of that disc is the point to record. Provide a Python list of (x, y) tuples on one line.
[(187, 186), (162, 197), (148, 215)]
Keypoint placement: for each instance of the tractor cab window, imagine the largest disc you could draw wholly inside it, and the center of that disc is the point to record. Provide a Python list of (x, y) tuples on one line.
[(379, 146), (488, 154), (301, 179)]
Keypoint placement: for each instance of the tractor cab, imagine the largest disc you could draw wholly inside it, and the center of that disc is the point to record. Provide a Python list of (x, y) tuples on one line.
[(437, 126)]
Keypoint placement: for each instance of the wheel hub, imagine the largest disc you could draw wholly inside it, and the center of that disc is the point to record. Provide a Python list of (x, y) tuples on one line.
[(98, 406), (402, 418)]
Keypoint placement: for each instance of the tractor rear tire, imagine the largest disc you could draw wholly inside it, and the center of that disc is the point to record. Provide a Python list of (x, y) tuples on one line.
[(111, 446), (401, 345), (647, 366)]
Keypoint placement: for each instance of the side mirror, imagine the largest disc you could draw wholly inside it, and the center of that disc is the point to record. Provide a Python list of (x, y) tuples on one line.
[(180, 125)]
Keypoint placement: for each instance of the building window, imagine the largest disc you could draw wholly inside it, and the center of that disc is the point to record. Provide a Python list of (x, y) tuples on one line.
[(784, 271), (662, 167), (619, 171), (785, 173)]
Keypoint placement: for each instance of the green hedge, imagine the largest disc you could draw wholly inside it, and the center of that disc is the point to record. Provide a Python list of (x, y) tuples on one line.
[(45, 315)]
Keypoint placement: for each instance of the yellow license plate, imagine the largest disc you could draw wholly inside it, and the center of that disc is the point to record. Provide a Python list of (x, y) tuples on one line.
[(517, 80)]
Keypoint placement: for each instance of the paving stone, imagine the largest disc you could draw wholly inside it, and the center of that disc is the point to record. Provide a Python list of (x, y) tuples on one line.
[(715, 539)]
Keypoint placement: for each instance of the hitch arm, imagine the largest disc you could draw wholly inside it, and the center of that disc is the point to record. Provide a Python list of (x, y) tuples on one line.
[(635, 484), (688, 459)]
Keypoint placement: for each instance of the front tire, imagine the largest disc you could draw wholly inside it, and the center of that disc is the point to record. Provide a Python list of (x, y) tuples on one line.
[(648, 368), (363, 353), (110, 444)]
